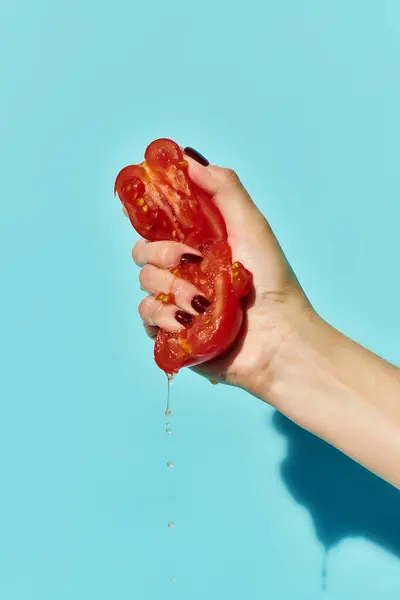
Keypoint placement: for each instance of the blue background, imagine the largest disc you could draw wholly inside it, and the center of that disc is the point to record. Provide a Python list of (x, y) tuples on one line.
[(302, 98)]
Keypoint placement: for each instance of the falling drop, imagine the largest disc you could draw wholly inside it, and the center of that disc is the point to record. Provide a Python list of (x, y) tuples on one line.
[(170, 464), (170, 378)]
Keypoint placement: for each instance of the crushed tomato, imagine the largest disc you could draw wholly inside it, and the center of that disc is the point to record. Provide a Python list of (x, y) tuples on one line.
[(163, 204)]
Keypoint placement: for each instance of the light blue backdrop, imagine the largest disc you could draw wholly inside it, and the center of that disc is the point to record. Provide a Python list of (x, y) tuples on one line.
[(302, 98)]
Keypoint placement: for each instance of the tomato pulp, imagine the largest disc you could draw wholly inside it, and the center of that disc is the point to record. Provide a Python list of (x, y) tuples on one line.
[(163, 204)]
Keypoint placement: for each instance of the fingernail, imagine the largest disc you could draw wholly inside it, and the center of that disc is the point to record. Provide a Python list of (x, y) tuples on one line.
[(188, 258), (196, 156), (184, 318), (200, 303)]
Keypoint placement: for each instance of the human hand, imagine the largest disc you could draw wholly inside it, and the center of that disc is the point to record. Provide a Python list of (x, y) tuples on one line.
[(274, 309)]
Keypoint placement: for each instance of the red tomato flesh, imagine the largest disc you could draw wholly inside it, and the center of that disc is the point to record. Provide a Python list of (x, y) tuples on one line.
[(163, 204)]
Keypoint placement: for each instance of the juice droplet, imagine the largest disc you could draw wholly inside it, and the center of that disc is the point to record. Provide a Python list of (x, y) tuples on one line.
[(168, 413), (170, 378), (170, 464), (171, 524), (168, 430), (213, 382)]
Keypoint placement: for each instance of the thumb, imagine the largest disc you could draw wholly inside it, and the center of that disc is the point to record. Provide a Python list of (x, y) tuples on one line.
[(228, 193)]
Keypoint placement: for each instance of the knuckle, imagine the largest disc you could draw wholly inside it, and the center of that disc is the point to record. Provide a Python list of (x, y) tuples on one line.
[(145, 275), (147, 310), (231, 176), (142, 308), (138, 253)]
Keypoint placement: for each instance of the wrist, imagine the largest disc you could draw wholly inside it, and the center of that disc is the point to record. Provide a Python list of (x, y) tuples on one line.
[(285, 383), (269, 371)]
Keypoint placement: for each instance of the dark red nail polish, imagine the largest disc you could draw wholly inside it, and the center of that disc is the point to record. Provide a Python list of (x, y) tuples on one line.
[(200, 303), (184, 318), (187, 259), (196, 156)]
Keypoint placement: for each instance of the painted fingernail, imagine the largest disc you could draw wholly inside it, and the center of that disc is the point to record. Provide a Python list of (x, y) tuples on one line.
[(188, 258), (184, 318), (200, 303), (196, 156)]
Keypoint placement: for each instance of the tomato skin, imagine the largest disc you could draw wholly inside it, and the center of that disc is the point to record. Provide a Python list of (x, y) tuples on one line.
[(162, 153), (163, 204), (242, 279)]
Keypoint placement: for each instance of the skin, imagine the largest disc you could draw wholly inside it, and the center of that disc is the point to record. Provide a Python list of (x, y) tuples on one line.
[(286, 354)]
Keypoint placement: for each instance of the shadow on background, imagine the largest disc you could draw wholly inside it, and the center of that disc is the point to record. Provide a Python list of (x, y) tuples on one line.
[(344, 499)]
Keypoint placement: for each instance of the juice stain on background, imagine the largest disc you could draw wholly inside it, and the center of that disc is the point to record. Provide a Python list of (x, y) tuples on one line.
[(324, 571)]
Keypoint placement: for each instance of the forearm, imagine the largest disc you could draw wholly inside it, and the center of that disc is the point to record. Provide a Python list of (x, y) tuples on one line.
[(341, 392)]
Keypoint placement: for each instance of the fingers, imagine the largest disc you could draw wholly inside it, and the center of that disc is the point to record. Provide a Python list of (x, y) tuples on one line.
[(164, 254), (156, 314), (185, 295), (187, 299), (151, 331)]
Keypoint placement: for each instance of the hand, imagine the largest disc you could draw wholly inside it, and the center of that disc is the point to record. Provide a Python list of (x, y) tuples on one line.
[(274, 309)]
